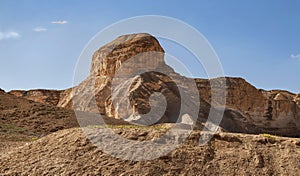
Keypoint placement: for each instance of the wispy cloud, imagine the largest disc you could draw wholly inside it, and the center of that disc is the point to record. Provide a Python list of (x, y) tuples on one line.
[(297, 56), (40, 29), (59, 22), (9, 35)]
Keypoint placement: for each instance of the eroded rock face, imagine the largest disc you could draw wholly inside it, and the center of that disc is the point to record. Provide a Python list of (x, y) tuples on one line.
[(248, 109), (140, 59), (275, 112), (108, 59), (95, 92)]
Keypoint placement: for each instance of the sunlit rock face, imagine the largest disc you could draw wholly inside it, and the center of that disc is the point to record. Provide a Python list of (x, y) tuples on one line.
[(275, 111), (110, 57), (116, 88), (132, 89)]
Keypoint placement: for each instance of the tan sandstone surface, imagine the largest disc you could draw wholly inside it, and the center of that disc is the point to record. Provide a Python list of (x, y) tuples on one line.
[(248, 109)]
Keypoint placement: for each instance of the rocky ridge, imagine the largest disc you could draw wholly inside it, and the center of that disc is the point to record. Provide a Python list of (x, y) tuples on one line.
[(248, 109), (50, 97)]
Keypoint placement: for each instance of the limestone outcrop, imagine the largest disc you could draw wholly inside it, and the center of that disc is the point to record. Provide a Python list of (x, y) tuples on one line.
[(117, 89)]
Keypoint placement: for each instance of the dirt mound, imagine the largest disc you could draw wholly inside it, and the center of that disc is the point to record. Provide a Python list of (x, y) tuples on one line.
[(69, 152), (22, 118)]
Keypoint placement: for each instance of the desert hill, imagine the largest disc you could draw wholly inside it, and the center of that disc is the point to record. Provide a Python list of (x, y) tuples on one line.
[(35, 118), (23, 120), (69, 152)]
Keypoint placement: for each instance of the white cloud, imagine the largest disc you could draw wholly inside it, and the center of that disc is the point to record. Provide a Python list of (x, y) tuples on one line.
[(9, 35), (59, 22), (295, 56), (40, 29)]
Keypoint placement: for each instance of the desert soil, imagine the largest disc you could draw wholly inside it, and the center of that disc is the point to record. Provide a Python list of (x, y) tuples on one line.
[(69, 152)]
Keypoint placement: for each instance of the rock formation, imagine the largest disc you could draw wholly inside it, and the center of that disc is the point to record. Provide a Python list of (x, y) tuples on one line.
[(50, 97), (275, 111), (133, 89), (248, 109)]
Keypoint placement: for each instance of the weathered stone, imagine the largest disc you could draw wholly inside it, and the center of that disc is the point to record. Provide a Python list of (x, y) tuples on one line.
[(50, 97), (248, 109)]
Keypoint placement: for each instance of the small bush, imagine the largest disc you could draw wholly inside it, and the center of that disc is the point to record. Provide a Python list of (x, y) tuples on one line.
[(269, 136), (34, 138)]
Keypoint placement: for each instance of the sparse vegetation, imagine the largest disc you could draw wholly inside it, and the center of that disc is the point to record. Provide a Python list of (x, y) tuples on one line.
[(158, 127), (11, 128), (34, 138), (269, 136)]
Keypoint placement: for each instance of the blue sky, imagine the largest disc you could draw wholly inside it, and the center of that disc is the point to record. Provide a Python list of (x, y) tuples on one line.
[(40, 41)]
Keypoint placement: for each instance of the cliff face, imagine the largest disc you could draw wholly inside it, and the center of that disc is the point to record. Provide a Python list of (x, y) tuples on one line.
[(109, 58), (248, 109), (275, 112), (105, 62)]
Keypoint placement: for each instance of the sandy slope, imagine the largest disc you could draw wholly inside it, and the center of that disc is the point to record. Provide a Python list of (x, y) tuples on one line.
[(26, 120), (69, 152)]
